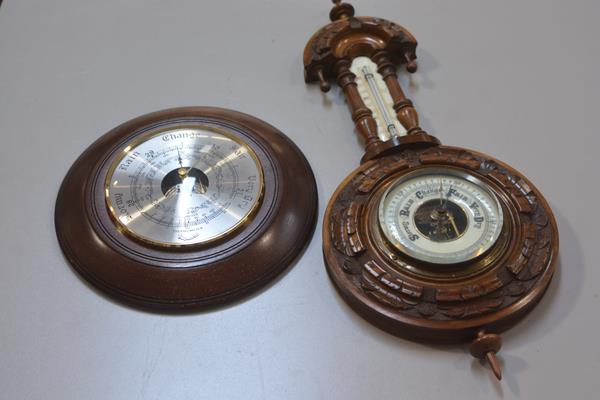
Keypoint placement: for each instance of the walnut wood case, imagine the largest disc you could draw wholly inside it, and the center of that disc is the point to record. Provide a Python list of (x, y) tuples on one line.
[(404, 296), (188, 278)]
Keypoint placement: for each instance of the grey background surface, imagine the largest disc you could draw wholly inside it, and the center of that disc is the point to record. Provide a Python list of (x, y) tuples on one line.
[(515, 79)]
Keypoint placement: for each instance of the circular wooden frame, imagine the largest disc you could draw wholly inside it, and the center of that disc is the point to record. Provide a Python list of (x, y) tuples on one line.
[(188, 277), (409, 298)]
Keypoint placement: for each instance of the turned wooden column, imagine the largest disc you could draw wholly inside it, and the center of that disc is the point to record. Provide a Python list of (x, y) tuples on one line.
[(361, 114), (405, 111)]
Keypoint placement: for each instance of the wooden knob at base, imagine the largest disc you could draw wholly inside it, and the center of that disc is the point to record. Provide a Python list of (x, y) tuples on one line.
[(485, 347)]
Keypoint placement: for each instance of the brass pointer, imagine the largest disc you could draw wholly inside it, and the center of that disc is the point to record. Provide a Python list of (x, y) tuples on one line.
[(451, 218)]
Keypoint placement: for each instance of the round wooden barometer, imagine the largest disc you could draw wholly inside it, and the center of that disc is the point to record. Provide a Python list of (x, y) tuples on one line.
[(429, 242), (185, 208)]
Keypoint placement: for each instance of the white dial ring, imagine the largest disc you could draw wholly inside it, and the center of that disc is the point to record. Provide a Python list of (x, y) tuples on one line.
[(434, 198)]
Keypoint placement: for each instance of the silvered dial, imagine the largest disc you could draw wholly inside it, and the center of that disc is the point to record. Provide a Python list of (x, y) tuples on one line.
[(440, 216), (186, 185)]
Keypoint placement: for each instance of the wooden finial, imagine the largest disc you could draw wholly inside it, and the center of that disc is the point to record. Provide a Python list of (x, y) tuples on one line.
[(485, 347), (323, 84), (341, 11), (411, 64)]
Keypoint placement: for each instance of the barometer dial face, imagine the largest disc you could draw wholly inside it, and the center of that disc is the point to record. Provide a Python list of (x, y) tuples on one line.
[(440, 216), (183, 186)]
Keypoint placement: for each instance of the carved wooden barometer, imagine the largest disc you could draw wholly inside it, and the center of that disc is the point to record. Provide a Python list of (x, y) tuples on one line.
[(430, 242), (186, 208)]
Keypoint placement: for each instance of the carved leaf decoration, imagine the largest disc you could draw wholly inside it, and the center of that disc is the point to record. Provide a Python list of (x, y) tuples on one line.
[(385, 289), (457, 157), (337, 234), (469, 292), (467, 160), (350, 267), (344, 230), (497, 293), (474, 291), (529, 231), (426, 309), (516, 289), (488, 165), (518, 189), (541, 220), (373, 269), (366, 284), (412, 290), (529, 236), (518, 266), (435, 156), (470, 310), (471, 164), (369, 182), (537, 264), (544, 239), (351, 222), (523, 203), (390, 300), (534, 254), (391, 28), (373, 176), (383, 296), (398, 286)]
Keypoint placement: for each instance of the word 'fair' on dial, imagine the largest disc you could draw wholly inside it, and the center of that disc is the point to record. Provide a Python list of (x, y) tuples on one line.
[(186, 185), (440, 216)]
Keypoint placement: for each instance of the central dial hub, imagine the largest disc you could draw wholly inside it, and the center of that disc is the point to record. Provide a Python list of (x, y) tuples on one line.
[(441, 223), (183, 177)]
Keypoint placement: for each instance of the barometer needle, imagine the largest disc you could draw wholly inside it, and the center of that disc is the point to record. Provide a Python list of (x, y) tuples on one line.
[(447, 197), (179, 158), (451, 218), (183, 173)]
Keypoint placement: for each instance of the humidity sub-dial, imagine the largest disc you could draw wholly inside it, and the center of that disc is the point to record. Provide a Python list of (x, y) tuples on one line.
[(440, 216)]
